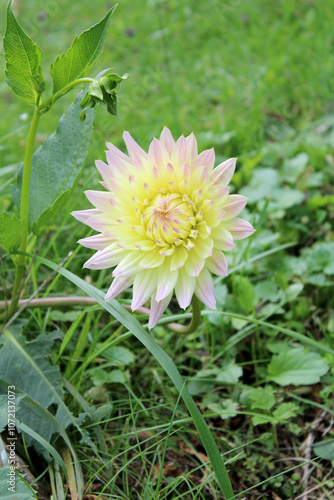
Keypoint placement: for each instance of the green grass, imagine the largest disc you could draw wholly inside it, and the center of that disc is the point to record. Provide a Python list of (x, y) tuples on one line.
[(253, 79)]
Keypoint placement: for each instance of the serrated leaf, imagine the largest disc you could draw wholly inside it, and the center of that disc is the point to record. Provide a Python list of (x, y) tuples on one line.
[(101, 377), (101, 413), (23, 61), (20, 491), (4, 404), (298, 367), (10, 232), (262, 398), (25, 365), (56, 166), (81, 56), (225, 409), (285, 411), (261, 419)]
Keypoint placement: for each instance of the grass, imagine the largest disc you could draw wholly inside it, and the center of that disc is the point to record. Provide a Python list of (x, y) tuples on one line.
[(254, 80)]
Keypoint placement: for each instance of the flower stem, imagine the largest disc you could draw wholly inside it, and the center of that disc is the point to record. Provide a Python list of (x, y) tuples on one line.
[(24, 211), (48, 103), (25, 191), (195, 320)]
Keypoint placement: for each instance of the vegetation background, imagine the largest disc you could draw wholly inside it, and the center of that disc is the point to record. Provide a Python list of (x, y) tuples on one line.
[(254, 79)]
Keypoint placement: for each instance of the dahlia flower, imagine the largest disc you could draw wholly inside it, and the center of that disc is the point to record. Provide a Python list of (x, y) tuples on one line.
[(164, 221)]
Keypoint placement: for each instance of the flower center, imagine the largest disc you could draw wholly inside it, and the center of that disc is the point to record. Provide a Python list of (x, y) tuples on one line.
[(169, 218)]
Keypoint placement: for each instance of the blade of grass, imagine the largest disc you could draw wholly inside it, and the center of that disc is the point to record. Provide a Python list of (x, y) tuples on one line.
[(124, 317)]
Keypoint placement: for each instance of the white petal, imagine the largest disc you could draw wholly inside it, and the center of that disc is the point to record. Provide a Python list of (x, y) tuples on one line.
[(108, 257), (223, 240), (204, 289), (117, 286), (85, 215), (101, 200), (194, 264), (191, 148), (158, 155), (133, 147), (184, 289), (117, 152), (117, 165), (144, 286), (179, 154), (129, 265), (105, 171), (157, 310), (217, 264), (224, 172), (233, 205), (166, 282), (205, 159), (239, 228), (167, 140), (96, 242)]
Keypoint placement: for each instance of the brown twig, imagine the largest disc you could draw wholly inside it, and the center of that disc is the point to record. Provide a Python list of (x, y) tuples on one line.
[(32, 303)]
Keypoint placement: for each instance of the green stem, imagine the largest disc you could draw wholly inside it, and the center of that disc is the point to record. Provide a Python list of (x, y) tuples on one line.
[(24, 212), (25, 191), (46, 105), (195, 320)]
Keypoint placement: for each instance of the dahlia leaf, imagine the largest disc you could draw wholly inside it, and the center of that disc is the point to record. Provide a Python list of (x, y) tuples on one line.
[(25, 364), (56, 166), (10, 231), (23, 61), (81, 56), (22, 490)]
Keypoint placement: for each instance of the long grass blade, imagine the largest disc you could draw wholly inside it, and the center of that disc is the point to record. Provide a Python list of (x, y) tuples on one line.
[(133, 325)]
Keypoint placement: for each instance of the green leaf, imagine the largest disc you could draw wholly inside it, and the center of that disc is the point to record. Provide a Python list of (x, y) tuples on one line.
[(21, 489), (4, 405), (23, 61), (133, 325), (244, 293), (10, 232), (298, 367), (261, 419), (56, 166), (325, 449), (25, 365), (262, 398), (119, 356), (102, 91), (117, 377), (81, 56), (285, 411), (230, 374), (293, 168), (268, 290), (225, 409), (34, 436)]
